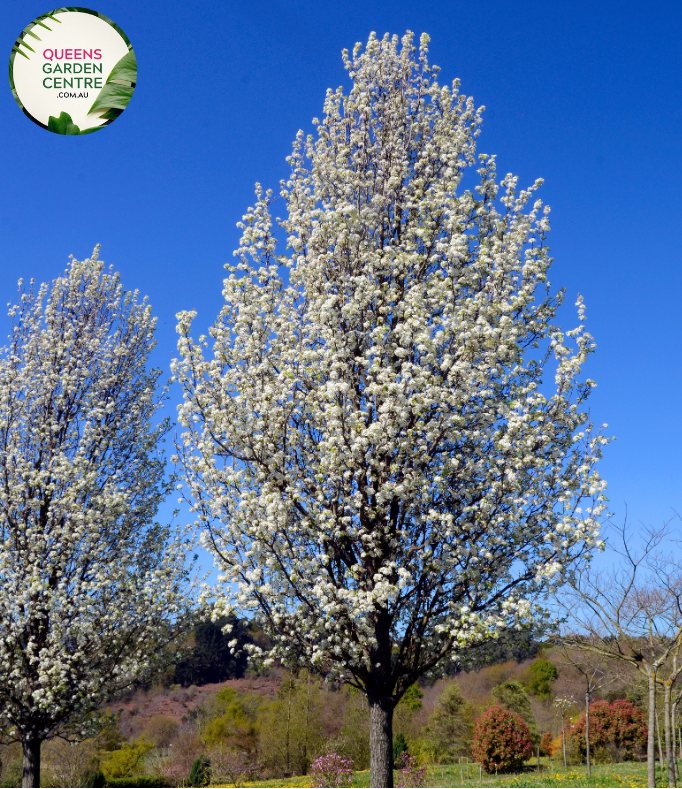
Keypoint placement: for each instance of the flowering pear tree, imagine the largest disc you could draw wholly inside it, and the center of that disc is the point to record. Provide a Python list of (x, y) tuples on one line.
[(384, 443), (91, 588)]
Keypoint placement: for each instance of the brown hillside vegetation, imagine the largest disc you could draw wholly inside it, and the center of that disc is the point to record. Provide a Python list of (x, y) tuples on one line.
[(135, 711), (338, 705)]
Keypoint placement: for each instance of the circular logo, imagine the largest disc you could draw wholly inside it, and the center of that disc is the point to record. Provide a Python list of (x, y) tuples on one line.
[(72, 71)]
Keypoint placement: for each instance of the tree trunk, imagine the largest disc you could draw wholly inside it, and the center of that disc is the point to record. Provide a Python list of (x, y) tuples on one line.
[(563, 736), (587, 733), (288, 748), (651, 738), (306, 763), (31, 766), (669, 753), (660, 744), (381, 742), (673, 738)]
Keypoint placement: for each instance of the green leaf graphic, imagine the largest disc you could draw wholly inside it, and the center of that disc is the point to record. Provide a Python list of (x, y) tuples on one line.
[(125, 70), (119, 86), (27, 31), (111, 114), (112, 95), (62, 125)]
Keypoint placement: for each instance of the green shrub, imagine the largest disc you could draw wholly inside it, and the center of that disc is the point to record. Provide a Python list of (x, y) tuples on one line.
[(200, 774), (448, 731), (541, 672), (234, 724), (512, 695), (95, 780), (412, 698), (125, 761), (290, 732), (352, 742), (399, 746)]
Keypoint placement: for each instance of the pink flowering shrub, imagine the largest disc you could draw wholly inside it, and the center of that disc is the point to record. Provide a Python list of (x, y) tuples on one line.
[(332, 771), (408, 773), (501, 740)]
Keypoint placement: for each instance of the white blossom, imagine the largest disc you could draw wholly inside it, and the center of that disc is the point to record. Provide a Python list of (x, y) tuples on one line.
[(385, 442), (91, 588)]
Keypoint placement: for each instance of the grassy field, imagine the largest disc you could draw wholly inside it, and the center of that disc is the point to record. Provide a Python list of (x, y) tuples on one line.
[(628, 774), (549, 775)]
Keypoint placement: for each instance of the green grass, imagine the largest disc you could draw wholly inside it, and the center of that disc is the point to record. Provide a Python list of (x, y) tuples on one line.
[(359, 779), (554, 775), (551, 774)]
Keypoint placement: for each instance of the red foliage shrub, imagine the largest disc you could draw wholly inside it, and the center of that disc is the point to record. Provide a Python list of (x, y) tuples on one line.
[(546, 744), (501, 740), (619, 725)]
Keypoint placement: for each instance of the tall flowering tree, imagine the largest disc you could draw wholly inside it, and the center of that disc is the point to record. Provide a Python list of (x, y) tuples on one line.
[(90, 586), (384, 442)]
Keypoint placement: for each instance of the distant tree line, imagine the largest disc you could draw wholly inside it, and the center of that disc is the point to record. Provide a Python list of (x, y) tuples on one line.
[(210, 658), (516, 645)]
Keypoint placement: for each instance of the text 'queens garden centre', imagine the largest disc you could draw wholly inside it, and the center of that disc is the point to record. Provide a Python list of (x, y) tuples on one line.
[(73, 71)]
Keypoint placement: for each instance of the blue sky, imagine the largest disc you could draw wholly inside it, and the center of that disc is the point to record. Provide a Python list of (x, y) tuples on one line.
[(586, 95)]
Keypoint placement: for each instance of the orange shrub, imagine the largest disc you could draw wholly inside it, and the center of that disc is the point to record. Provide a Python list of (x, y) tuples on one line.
[(556, 747)]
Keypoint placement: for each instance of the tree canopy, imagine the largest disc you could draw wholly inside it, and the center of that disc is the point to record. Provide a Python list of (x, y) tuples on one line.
[(386, 444), (92, 588)]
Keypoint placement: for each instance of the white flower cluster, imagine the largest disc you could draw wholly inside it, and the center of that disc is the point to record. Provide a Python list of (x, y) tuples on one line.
[(373, 446), (90, 587)]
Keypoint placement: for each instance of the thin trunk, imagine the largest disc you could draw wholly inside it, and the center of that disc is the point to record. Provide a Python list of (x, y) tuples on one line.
[(563, 737), (307, 726), (669, 750), (660, 744), (587, 733), (288, 727), (31, 766), (651, 738), (673, 737), (381, 742), (676, 740)]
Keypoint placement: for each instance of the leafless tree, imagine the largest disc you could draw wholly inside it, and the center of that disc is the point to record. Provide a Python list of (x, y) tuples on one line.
[(563, 704), (595, 671), (632, 613)]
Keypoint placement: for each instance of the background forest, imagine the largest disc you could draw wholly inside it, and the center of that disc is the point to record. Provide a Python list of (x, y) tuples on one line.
[(244, 725)]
